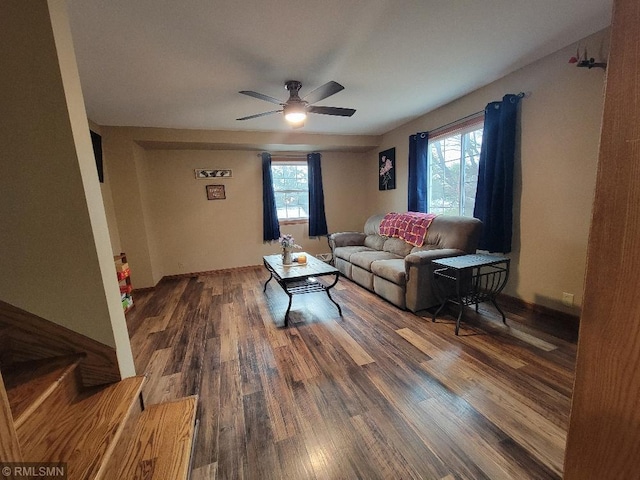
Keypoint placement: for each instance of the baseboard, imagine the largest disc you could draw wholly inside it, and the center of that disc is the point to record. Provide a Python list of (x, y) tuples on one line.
[(545, 316), (143, 289), (195, 274), (211, 272)]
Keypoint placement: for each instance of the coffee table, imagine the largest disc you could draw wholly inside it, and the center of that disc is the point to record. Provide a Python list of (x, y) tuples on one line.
[(300, 278)]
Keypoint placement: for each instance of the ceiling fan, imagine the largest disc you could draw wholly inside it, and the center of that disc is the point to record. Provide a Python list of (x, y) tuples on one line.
[(295, 108)]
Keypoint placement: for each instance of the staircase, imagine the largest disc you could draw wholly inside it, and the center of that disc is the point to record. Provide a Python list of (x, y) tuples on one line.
[(49, 414)]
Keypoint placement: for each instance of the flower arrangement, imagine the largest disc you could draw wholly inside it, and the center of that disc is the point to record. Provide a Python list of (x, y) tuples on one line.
[(287, 241)]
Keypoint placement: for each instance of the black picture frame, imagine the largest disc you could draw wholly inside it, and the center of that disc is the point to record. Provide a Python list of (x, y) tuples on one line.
[(96, 141), (387, 169)]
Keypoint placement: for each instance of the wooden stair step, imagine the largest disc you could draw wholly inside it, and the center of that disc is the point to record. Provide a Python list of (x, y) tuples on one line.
[(160, 443), (29, 384), (83, 432)]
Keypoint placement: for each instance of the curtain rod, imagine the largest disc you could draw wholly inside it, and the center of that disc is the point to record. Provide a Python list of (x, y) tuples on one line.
[(460, 120), (304, 156), (469, 117)]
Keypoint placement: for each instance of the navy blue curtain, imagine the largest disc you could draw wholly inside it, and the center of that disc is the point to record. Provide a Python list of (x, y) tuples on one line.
[(418, 144), (270, 224), (317, 218), (494, 196)]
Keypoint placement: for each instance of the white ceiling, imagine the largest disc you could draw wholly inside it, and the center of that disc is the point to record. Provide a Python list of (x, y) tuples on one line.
[(180, 64)]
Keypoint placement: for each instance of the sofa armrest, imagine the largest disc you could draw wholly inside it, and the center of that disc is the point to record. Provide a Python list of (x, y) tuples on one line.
[(425, 257), (420, 293), (344, 239)]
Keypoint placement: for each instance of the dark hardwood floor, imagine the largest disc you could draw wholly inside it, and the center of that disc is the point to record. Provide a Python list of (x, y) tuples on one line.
[(377, 394)]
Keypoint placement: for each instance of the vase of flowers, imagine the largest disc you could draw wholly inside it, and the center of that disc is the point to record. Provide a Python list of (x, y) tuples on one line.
[(288, 244)]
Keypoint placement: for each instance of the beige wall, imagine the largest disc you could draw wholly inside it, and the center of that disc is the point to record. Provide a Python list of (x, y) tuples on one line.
[(56, 256), (554, 178), (167, 226), (123, 159), (194, 234)]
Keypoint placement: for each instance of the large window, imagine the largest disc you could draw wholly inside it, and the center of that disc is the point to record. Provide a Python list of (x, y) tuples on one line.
[(291, 189), (453, 169)]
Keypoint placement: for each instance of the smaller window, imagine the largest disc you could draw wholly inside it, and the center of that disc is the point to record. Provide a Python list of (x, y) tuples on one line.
[(291, 189)]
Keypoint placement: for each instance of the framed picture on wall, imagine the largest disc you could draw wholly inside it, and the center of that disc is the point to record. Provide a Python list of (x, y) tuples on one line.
[(215, 192), (208, 173), (387, 169)]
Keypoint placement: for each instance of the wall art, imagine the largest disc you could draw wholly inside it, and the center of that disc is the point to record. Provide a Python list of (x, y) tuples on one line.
[(209, 173), (215, 192), (387, 169)]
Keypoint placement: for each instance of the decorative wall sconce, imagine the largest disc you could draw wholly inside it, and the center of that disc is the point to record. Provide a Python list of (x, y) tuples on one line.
[(584, 61)]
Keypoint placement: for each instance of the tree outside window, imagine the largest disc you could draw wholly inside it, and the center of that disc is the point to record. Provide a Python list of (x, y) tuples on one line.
[(291, 189), (453, 171)]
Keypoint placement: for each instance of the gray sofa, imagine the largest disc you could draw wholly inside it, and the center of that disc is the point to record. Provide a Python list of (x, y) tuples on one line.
[(395, 269)]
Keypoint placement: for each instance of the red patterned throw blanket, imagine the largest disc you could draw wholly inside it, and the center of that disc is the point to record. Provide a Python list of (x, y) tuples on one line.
[(410, 227)]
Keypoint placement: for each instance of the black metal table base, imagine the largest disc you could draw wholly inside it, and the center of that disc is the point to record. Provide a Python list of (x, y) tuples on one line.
[(477, 279), (302, 286)]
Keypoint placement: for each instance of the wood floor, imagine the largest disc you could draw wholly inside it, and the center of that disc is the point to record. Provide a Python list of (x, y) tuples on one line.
[(377, 394)]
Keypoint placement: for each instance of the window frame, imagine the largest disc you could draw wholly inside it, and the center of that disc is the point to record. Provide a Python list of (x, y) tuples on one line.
[(460, 127), (276, 161)]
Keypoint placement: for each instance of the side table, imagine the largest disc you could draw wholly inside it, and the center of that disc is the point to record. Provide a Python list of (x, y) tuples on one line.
[(473, 279)]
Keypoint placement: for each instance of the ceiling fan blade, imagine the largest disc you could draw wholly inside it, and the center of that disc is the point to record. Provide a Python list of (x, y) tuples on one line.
[(341, 112), (323, 91), (259, 115), (261, 96)]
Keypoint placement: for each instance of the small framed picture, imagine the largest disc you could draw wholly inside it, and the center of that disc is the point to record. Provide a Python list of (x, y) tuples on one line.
[(215, 192)]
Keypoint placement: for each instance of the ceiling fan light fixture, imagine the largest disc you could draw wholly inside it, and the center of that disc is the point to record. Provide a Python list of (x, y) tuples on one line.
[(295, 117), (296, 109), (295, 113)]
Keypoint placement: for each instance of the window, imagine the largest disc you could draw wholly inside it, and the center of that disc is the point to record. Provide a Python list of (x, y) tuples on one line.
[(291, 189), (452, 172)]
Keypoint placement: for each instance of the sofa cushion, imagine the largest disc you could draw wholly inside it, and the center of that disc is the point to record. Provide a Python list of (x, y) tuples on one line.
[(346, 252), (345, 239), (424, 248), (375, 242), (390, 291), (372, 225), (343, 266), (362, 277), (461, 233), (392, 270), (365, 259), (397, 247)]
